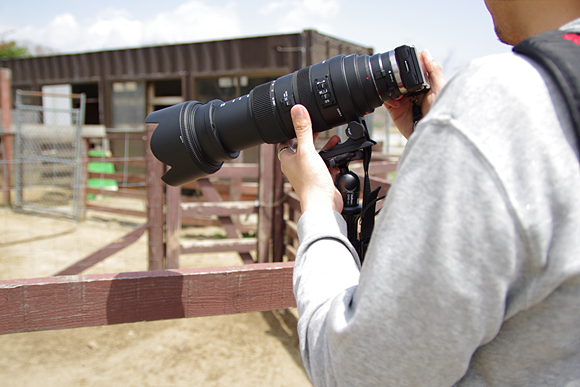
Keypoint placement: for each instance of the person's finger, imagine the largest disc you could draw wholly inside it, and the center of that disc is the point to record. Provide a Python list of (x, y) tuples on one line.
[(285, 147), (331, 143), (394, 103), (302, 127), (283, 144), (436, 77)]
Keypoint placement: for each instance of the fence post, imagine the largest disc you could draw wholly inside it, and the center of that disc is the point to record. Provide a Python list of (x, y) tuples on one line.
[(173, 220), (6, 109), (154, 204), (83, 180), (266, 199), (278, 215)]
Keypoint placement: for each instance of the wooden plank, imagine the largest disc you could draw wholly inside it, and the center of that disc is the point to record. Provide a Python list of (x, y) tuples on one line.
[(121, 211), (6, 109), (292, 229), (293, 201), (123, 193), (104, 299), (230, 170), (240, 245), (81, 198), (210, 193), (220, 209), (155, 202), (199, 222), (266, 198), (249, 190), (290, 252), (227, 222), (104, 252), (278, 214), (173, 226)]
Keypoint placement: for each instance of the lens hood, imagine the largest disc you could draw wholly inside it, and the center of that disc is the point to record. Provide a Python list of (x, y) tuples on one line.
[(168, 146)]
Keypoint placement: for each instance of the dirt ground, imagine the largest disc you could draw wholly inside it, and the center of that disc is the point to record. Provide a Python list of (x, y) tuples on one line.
[(253, 349)]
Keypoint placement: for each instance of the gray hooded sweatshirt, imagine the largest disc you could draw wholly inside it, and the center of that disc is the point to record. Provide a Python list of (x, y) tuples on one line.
[(472, 277)]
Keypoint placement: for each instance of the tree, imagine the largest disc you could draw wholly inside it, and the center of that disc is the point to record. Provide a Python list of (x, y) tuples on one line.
[(11, 50)]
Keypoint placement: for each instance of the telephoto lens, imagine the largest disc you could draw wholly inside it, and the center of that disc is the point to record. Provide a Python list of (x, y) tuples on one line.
[(195, 139)]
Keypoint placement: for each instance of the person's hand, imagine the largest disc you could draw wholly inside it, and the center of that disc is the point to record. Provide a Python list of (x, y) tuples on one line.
[(305, 169), (401, 108)]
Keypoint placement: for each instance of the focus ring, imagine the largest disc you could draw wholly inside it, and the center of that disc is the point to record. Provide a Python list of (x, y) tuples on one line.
[(307, 97)]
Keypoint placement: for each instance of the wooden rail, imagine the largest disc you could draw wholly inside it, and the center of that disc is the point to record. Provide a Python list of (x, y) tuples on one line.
[(102, 299)]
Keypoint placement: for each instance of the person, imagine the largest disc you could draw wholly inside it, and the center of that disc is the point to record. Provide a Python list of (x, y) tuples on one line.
[(472, 275)]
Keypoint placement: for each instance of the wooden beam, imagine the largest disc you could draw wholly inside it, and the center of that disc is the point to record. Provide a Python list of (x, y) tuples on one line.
[(6, 108), (104, 252), (293, 201), (266, 198), (292, 229), (172, 227), (218, 208), (230, 170), (232, 231), (290, 252), (249, 190), (240, 245), (278, 213), (155, 202), (122, 211), (103, 299), (122, 193)]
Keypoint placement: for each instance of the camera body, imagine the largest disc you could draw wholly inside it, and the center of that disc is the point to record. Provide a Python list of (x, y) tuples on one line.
[(195, 139)]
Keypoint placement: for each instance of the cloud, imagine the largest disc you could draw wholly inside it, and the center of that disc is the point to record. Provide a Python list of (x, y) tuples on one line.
[(302, 14), (113, 28), (194, 21)]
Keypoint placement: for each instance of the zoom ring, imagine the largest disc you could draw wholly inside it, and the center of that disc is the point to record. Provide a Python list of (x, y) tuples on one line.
[(264, 114)]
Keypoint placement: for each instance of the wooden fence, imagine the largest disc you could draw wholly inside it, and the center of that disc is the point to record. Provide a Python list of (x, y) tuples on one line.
[(264, 283), (68, 301)]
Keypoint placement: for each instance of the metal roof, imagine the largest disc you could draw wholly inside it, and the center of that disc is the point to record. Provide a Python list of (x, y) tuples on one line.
[(275, 54)]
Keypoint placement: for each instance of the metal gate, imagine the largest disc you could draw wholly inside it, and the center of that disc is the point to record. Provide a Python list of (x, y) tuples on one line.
[(48, 152)]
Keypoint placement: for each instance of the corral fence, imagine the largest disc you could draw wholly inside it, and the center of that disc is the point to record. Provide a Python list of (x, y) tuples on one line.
[(47, 154), (71, 299)]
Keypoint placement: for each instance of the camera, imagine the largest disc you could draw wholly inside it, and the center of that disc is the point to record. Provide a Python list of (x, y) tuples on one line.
[(195, 139)]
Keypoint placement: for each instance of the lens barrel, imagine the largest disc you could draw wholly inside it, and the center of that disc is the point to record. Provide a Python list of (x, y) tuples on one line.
[(195, 139)]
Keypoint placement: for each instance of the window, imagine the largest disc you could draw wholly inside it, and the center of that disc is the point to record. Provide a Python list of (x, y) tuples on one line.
[(128, 105)]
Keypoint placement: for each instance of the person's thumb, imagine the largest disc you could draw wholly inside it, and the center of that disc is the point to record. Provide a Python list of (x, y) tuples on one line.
[(302, 126)]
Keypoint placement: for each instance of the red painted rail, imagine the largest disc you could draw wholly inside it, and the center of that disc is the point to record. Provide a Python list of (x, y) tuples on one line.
[(104, 299)]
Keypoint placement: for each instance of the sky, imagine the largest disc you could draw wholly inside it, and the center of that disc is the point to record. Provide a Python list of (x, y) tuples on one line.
[(455, 31)]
